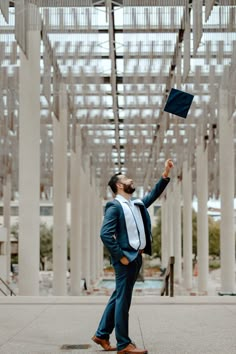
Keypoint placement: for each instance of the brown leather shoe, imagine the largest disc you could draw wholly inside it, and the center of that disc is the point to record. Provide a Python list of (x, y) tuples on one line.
[(104, 343), (131, 349)]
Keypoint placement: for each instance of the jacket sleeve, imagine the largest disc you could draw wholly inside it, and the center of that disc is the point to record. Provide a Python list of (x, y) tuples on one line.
[(155, 192), (108, 231)]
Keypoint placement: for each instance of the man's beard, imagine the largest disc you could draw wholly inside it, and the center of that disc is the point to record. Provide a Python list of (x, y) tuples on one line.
[(128, 189)]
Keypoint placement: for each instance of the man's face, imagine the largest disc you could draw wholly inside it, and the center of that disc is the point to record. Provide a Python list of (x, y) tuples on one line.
[(127, 183)]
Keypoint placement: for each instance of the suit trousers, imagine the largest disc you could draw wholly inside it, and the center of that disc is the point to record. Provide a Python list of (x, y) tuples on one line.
[(116, 313)]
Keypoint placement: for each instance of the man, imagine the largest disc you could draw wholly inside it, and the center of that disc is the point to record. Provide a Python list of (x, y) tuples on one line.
[(126, 232)]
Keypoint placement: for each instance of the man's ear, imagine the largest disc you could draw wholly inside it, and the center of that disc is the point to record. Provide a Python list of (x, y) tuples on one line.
[(118, 184)]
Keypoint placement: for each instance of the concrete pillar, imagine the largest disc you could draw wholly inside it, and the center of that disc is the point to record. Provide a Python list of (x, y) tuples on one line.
[(83, 215), (177, 230), (202, 217), (86, 224), (29, 166), (226, 153), (187, 225), (60, 196), (96, 238), (170, 222), (7, 223), (100, 244), (92, 231), (164, 236), (76, 220), (96, 235), (3, 257)]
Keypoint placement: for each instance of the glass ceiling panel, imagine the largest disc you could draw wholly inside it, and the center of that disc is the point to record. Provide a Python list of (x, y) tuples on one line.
[(103, 101), (142, 16), (92, 88), (218, 12), (141, 100), (155, 88), (143, 66), (94, 65), (75, 17), (84, 42), (145, 41)]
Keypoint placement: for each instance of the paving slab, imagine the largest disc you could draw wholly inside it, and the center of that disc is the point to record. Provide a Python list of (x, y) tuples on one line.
[(163, 325)]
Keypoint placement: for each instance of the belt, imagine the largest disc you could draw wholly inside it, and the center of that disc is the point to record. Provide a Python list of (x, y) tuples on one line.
[(140, 251)]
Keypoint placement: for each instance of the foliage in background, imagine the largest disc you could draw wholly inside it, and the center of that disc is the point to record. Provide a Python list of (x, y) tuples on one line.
[(214, 235), (45, 244), (15, 232), (156, 236), (46, 235)]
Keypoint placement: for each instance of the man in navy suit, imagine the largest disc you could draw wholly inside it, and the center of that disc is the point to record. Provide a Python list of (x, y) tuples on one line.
[(126, 232)]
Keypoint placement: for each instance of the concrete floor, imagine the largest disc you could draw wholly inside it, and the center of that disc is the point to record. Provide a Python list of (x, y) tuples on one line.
[(179, 325)]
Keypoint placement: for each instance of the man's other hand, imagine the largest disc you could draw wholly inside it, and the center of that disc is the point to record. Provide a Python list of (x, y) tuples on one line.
[(124, 260)]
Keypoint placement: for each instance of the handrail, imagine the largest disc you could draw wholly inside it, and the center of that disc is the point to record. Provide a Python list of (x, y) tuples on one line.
[(169, 274), (3, 292), (8, 287)]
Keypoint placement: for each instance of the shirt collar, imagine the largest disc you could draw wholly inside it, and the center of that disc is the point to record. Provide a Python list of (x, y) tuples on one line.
[(122, 199), (131, 201)]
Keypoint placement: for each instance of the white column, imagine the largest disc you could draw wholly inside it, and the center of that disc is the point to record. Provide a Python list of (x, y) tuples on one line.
[(92, 231), (60, 196), (170, 222), (3, 258), (6, 222), (227, 236), (96, 244), (202, 217), (76, 220), (164, 236), (83, 215), (100, 244), (29, 166), (187, 225), (97, 224), (96, 232), (86, 225), (177, 231)]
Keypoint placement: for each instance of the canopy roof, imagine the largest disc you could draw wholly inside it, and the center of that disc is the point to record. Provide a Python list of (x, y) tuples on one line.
[(119, 60)]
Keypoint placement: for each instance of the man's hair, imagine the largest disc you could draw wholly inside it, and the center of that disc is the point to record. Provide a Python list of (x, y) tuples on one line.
[(112, 183)]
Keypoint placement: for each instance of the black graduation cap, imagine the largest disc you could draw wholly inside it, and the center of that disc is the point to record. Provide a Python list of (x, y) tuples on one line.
[(178, 103)]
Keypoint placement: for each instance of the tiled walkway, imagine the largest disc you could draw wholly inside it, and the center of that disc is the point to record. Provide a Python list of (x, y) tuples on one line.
[(179, 325)]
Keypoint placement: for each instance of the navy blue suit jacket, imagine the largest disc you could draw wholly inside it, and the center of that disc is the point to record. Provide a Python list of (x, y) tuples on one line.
[(114, 233)]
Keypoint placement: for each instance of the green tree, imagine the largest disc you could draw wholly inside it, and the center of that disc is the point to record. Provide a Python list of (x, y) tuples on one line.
[(14, 231), (156, 236), (46, 233), (45, 242), (194, 231), (214, 235)]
